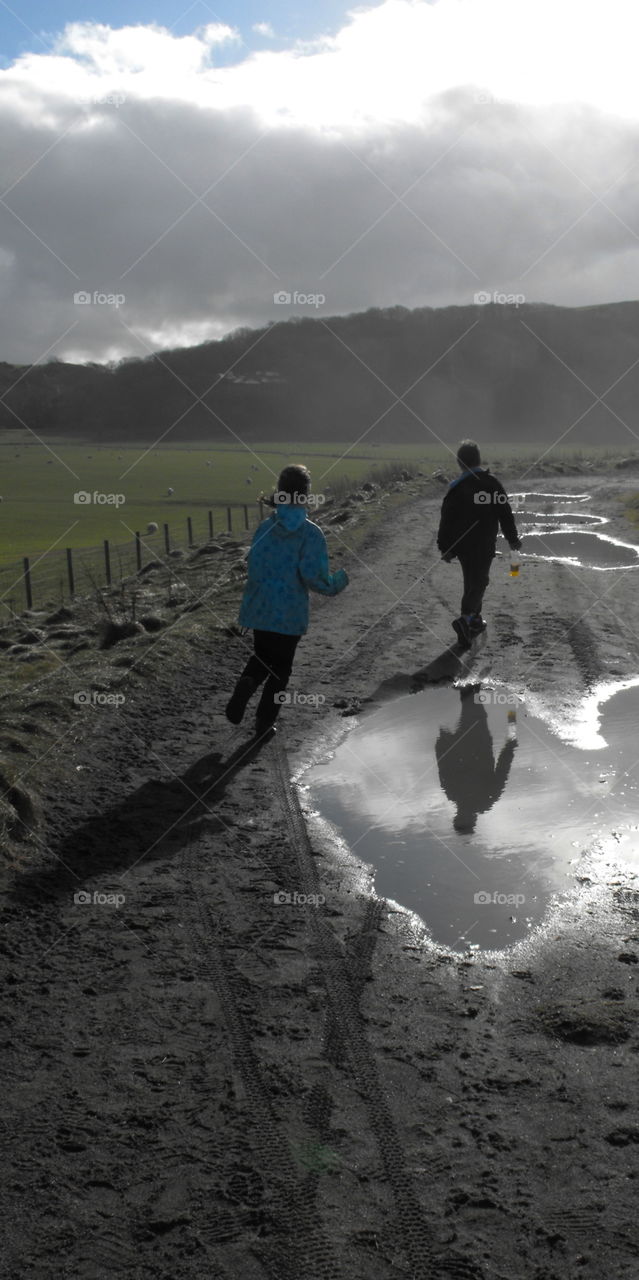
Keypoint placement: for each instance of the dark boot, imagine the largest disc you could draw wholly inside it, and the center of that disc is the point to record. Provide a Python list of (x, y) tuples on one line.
[(236, 705), (463, 632)]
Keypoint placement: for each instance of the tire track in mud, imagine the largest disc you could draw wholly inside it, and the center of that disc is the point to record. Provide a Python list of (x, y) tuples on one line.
[(578, 625), (319, 1106), (579, 631), (547, 636), (552, 635), (583, 643), (346, 1036), (297, 1245)]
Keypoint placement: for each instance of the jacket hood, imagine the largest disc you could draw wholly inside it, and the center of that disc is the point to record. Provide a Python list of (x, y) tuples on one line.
[(289, 518), (472, 471)]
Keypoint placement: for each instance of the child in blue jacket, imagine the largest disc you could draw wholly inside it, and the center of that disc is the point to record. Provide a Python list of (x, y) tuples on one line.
[(288, 557)]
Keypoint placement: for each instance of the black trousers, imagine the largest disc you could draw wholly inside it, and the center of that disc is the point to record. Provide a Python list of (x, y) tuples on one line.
[(271, 661), (475, 563)]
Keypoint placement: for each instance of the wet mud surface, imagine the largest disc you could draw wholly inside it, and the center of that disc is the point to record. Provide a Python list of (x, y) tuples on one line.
[(215, 1080)]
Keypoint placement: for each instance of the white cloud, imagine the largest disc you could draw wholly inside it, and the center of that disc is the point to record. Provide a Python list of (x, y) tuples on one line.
[(502, 123), (386, 64), (264, 29)]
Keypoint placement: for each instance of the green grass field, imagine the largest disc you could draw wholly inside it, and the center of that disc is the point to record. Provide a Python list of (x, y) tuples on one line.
[(38, 509), (38, 484), (39, 517)]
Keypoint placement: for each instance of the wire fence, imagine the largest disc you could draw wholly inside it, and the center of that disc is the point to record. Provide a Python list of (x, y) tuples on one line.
[(56, 576)]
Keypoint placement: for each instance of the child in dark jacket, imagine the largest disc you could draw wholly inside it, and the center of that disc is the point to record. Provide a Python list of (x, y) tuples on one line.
[(475, 507), (288, 557)]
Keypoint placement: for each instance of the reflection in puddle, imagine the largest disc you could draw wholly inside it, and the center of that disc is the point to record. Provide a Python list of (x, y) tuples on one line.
[(552, 532), (560, 519), (472, 813), (585, 550), (535, 498)]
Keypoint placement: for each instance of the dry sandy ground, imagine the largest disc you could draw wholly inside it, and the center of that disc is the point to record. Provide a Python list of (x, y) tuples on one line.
[(198, 1083)]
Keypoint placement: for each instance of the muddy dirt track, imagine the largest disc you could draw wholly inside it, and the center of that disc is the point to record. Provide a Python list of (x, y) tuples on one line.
[(201, 1083)]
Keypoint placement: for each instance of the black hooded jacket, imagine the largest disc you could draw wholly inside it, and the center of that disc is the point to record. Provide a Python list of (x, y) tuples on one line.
[(475, 507)]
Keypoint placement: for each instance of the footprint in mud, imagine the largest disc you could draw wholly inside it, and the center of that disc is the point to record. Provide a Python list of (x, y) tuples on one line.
[(589, 1021)]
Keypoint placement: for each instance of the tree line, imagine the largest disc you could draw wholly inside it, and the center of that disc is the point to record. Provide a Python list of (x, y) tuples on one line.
[(502, 372)]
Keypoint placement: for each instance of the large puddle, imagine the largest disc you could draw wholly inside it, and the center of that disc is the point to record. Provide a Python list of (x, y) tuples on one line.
[(474, 815), (473, 812), (552, 530), (583, 550)]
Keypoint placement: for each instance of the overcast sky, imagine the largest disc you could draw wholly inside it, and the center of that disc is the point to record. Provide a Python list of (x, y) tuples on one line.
[(183, 171)]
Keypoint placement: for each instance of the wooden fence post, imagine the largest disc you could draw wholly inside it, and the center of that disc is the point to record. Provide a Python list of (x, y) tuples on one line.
[(107, 562), (167, 545), (210, 524), (229, 519), (138, 551), (189, 529), (246, 520), (70, 572), (27, 582)]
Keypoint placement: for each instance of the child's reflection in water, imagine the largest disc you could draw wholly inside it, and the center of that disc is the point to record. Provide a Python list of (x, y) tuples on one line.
[(469, 775)]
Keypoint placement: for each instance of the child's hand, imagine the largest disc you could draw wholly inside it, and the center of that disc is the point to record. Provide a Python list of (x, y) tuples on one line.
[(341, 579)]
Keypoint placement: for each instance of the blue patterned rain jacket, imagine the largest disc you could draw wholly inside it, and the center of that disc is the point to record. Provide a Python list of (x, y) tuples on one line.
[(288, 557)]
